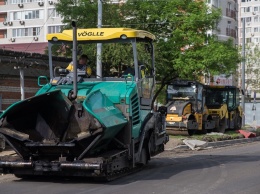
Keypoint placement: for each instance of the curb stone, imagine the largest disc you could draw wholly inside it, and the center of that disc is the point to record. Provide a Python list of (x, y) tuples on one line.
[(221, 143)]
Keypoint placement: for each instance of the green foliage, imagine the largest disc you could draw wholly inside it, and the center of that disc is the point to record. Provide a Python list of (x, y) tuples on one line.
[(85, 13), (182, 49), (222, 59), (252, 69)]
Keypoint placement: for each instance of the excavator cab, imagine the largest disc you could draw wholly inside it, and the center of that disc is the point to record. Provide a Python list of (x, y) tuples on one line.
[(224, 105)]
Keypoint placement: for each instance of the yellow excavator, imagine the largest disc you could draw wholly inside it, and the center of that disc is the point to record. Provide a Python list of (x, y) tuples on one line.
[(224, 106), (186, 109)]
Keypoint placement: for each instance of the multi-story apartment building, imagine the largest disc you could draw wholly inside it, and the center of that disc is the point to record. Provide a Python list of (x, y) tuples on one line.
[(227, 28), (249, 10), (25, 23)]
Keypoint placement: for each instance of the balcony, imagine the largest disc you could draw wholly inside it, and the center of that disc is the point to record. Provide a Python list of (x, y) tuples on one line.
[(3, 34), (231, 13), (2, 2), (231, 32), (3, 16)]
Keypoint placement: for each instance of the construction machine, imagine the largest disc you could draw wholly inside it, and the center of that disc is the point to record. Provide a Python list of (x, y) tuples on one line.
[(186, 110), (224, 106), (99, 127)]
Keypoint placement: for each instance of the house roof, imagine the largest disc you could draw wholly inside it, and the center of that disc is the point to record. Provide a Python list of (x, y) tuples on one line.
[(26, 47)]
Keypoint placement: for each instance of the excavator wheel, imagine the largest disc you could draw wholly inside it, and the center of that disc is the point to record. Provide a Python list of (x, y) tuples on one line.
[(191, 132), (238, 123), (222, 125)]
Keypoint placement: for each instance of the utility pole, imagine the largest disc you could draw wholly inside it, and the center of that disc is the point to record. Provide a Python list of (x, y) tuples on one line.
[(99, 45), (21, 69), (22, 83), (243, 71)]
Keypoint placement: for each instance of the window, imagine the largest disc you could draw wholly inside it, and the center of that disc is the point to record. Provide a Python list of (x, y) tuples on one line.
[(26, 32), (36, 31), (256, 29), (54, 29), (247, 9), (248, 30), (23, 1), (231, 100), (52, 13), (256, 40), (248, 40), (35, 14), (17, 15), (26, 15), (229, 6), (23, 32), (228, 26), (256, 19), (248, 19), (255, 8)]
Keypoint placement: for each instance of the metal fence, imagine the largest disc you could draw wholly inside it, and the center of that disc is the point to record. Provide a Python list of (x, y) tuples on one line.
[(252, 115)]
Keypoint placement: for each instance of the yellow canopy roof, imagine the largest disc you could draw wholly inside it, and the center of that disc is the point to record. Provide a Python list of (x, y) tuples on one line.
[(96, 34)]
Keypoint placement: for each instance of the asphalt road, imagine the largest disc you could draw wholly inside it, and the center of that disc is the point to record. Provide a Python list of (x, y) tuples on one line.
[(233, 169)]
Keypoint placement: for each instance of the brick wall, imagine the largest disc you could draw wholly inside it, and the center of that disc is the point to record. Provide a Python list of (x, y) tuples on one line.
[(10, 91)]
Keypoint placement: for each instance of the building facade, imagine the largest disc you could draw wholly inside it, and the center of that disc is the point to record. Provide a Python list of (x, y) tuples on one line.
[(24, 24), (227, 28), (228, 25), (249, 10)]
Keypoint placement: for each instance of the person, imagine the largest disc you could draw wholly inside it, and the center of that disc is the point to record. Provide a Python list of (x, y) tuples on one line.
[(82, 65), (128, 70)]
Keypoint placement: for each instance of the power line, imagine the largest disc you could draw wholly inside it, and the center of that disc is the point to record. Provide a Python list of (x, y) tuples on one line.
[(41, 27)]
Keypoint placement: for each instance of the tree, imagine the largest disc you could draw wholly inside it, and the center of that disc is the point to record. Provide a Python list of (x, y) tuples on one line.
[(181, 27), (252, 70), (183, 48), (85, 13)]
